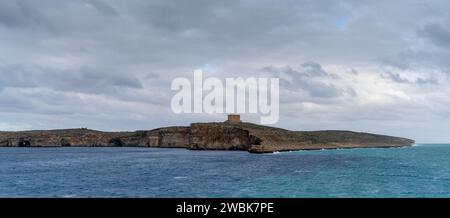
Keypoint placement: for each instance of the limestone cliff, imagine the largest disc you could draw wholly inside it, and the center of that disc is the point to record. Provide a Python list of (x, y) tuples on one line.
[(220, 136), (204, 136)]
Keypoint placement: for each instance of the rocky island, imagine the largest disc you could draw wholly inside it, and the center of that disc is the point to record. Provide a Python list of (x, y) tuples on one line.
[(229, 135)]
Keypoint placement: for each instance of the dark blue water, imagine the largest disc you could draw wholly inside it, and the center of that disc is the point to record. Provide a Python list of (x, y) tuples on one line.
[(419, 171)]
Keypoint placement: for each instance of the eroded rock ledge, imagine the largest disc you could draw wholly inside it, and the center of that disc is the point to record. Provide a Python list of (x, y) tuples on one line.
[(204, 136)]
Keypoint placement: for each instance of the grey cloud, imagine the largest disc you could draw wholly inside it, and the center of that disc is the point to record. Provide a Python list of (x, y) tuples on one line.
[(427, 47), (321, 90), (426, 81), (103, 7), (80, 80), (23, 14), (313, 69), (10, 14), (395, 77), (309, 77), (353, 71), (437, 32)]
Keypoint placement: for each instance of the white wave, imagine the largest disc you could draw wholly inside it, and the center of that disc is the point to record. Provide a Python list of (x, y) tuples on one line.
[(180, 177), (68, 196)]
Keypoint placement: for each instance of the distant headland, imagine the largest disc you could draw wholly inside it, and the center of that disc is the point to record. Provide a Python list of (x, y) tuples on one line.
[(229, 135)]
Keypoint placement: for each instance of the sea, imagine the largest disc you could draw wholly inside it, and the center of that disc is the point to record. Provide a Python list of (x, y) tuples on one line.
[(422, 170)]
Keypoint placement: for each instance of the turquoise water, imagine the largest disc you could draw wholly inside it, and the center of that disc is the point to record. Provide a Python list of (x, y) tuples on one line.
[(419, 171)]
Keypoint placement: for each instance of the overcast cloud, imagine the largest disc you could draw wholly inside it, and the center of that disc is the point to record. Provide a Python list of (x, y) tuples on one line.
[(374, 66)]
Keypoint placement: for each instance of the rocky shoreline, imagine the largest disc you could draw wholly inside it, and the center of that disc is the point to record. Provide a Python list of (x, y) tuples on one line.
[(204, 136)]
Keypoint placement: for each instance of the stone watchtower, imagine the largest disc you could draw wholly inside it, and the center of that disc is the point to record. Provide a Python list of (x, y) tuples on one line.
[(234, 118)]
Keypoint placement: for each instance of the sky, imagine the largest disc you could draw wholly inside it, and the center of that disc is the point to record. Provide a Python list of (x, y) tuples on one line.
[(371, 66)]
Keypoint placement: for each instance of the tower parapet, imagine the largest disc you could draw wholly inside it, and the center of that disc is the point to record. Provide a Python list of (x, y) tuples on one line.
[(234, 118)]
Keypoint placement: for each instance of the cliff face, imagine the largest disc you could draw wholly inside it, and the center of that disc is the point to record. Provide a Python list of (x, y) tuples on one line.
[(171, 137), (71, 137), (218, 136), (204, 136)]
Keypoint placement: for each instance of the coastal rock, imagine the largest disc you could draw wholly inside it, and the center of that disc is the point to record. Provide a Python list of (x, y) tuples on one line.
[(204, 136), (171, 137), (277, 139), (220, 136)]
